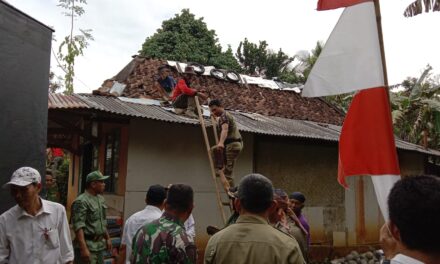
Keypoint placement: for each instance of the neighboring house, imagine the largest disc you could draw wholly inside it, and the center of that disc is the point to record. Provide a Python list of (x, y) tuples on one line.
[(290, 139)]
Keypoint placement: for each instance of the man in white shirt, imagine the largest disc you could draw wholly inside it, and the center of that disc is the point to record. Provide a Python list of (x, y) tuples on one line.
[(154, 199), (35, 230), (413, 232)]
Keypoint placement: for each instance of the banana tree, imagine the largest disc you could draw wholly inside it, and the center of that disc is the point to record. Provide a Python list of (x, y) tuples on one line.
[(416, 110)]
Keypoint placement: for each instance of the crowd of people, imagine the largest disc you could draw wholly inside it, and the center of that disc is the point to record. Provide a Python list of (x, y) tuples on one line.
[(266, 227)]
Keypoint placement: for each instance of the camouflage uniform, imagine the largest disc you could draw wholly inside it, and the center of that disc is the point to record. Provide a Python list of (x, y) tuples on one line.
[(52, 194), (163, 241), (89, 213), (233, 144)]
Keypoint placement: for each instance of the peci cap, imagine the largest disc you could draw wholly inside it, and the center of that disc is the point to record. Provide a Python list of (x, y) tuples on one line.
[(297, 196), (23, 177), (95, 176), (156, 194)]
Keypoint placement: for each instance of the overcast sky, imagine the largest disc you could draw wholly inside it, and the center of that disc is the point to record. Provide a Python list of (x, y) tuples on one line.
[(121, 26)]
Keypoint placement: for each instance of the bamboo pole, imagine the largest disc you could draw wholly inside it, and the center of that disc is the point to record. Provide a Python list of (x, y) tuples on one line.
[(211, 163), (382, 48)]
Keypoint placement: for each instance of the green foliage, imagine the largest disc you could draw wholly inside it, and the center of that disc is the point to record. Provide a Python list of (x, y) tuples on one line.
[(342, 101), (185, 38), (252, 57), (72, 45), (300, 72), (416, 110), (259, 60), (54, 82)]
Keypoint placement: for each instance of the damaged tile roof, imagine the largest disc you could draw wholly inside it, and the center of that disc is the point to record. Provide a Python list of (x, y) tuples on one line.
[(247, 122), (140, 74)]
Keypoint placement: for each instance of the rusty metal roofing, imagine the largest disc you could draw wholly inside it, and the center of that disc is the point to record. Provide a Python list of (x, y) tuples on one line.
[(247, 122), (65, 101)]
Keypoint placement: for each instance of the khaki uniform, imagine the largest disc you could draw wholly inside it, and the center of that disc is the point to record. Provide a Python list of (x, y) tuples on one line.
[(89, 213), (233, 144), (294, 231), (252, 240)]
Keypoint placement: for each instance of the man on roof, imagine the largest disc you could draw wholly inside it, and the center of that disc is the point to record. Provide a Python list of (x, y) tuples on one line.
[(183, 94), (165, 84)]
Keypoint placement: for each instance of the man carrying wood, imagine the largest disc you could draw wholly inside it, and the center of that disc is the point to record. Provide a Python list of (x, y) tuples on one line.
[(230, 141)]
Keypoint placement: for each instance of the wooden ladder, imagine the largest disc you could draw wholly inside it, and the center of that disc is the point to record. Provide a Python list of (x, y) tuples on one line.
[(221, 204)]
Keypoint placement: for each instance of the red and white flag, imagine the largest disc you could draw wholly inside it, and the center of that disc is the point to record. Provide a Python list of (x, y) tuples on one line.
[(351, 61)]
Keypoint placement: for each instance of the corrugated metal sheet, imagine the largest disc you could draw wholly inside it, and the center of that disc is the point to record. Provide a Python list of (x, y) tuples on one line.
[(65, 101), (248, 122)]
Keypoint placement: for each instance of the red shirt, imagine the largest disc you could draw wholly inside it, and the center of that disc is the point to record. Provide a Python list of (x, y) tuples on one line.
[(182, 88), (57, 152)]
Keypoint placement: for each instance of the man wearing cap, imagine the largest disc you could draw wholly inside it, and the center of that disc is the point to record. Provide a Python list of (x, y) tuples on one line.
[(89, 221), (286, 221), (34, 230), (297, 201), (183, 94), (155, 200)]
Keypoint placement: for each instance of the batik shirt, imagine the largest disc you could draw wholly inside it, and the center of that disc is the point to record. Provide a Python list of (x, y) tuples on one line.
[(163, 241)]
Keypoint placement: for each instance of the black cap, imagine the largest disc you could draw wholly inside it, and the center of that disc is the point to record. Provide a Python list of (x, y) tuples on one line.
[(298, 196), (156, 194)]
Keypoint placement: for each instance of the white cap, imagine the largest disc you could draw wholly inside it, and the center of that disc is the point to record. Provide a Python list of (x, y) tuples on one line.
[(24, 176)]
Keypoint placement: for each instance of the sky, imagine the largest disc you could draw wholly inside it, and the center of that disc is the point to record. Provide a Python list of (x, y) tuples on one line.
[(121, 26)]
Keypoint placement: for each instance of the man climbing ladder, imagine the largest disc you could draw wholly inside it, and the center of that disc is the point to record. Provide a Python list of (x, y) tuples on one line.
[(230, 142)]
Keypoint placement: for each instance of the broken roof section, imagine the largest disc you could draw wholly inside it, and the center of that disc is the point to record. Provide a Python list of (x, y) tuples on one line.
[(247, 122), (250, 94)]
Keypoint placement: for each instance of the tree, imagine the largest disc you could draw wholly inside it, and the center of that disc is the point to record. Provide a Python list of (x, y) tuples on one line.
[(416, 110), (259, 60), (301, 70), (54, 82), (73, 45), (252, 57), (185, 38), (418, 6)]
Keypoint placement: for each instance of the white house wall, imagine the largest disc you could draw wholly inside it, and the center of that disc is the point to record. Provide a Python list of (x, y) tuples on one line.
[(164, 153)]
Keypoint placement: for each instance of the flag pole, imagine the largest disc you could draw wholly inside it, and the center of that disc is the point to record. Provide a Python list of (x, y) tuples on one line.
[(382, 48)]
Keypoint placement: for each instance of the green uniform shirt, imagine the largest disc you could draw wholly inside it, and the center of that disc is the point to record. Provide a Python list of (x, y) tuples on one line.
[(52, 194), (252, 240), (227, 118), (89, 213), (163, 241)]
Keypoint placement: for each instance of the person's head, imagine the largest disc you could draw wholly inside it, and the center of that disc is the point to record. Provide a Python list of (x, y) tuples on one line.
[(297, 201), (414, 211), (180, 200), (189, 74), (50, 180), (25, 186), (163, 72), (282, 202), (255, 195), (216, 107), (95, 182), (156, 195)]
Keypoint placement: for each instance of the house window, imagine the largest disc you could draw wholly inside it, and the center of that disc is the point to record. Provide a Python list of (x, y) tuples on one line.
[(111, 159)]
